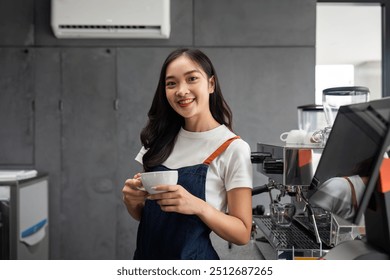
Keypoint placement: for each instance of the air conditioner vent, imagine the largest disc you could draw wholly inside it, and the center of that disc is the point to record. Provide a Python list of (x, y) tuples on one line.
[(102, 19), (114, 27)]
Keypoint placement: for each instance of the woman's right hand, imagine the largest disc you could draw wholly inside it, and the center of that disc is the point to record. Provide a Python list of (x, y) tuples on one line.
[(133, 197)]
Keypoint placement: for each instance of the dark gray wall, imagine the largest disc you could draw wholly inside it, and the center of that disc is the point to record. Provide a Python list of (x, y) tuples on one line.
[(57, 98)]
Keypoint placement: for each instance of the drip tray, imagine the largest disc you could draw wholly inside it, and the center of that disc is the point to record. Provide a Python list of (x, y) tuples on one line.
[(291, 242)]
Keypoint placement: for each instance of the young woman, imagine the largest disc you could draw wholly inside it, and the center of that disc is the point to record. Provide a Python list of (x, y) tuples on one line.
[(189, 130)]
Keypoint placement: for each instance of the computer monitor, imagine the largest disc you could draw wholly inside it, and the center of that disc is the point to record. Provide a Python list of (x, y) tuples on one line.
[(353, 154)]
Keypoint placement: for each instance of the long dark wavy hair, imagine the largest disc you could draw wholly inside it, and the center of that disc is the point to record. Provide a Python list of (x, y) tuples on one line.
[(159, 134)]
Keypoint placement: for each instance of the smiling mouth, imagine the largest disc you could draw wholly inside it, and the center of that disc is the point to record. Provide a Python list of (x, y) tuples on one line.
[(186, 102)]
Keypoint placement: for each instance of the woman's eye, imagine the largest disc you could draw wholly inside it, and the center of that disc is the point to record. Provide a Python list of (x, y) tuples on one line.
[(169, 84), (192, 79)]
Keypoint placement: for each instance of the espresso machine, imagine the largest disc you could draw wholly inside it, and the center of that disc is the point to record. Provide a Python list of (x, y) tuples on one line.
[(289, 170)]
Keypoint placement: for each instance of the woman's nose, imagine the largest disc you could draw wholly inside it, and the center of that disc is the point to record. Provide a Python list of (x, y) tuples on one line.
[(182, 90)]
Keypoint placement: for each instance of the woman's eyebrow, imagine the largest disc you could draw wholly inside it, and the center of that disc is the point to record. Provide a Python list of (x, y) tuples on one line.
[(186, 73)]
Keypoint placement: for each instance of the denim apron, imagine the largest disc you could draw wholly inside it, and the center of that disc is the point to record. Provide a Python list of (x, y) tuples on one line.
[(169, 235)]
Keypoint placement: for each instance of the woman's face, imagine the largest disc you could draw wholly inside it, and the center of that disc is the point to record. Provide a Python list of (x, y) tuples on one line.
[(188, 88)]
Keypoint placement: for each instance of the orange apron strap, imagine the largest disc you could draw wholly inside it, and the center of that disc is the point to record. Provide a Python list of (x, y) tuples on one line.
[(220, 150), (354, 198)]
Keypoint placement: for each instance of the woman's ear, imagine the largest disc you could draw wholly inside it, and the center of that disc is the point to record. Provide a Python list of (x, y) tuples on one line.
[(211, 85)]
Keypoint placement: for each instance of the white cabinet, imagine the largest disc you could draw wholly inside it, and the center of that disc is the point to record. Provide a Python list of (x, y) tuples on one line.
[(24, 213)]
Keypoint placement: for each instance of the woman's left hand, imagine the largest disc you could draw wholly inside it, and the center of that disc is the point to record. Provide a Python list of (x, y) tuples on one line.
[(177, 199)]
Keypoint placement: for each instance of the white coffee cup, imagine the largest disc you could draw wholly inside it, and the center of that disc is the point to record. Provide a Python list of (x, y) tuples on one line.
[(151, 179), (294, 137)]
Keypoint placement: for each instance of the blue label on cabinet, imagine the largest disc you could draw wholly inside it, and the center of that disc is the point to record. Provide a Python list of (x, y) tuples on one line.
[(33, 229)]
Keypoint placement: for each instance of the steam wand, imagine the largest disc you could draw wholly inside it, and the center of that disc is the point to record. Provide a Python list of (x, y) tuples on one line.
[(310, 213)]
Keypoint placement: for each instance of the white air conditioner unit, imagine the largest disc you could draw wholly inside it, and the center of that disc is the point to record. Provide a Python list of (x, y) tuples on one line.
[(111, 18)]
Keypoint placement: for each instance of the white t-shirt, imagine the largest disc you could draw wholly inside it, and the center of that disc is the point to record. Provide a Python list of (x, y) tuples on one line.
[(335, 195), (232, 169)]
